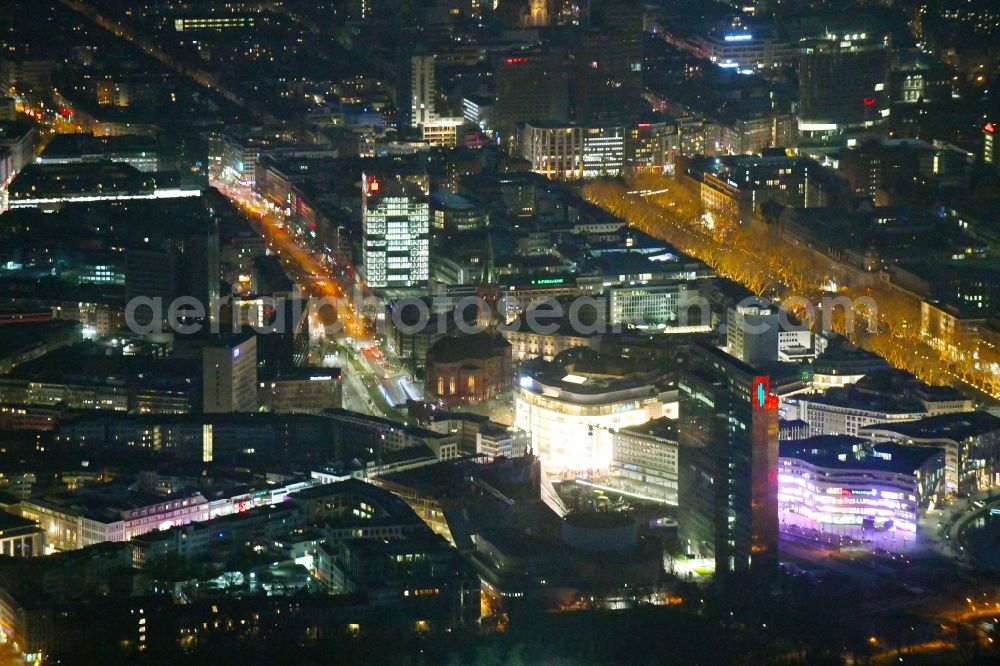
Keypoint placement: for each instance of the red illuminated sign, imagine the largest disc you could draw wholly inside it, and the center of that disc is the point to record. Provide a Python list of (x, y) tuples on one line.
[(990, 128), (644, 125), (515, 61), (869, 101), (761, 394)]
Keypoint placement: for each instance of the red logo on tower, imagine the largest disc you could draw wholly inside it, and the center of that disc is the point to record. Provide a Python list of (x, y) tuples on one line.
[(761, 394)]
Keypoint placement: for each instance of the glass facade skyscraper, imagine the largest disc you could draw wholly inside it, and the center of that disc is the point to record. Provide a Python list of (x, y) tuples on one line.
[(396, 218), (727, 460)]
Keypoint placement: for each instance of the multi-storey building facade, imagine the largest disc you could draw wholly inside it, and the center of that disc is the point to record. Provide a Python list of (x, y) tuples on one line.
[(569, 151), (396, 232), (728, 460), (644, 460)]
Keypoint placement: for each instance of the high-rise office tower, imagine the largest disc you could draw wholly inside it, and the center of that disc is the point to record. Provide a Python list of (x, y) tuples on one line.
[(421, 90), (607, 63), (229, 375), (727, 461), (174, 263), (752, 333), (530, 85), (842, 86), (396, 232)]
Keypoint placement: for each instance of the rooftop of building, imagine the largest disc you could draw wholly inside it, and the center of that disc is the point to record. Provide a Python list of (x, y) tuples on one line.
[(707, 350), (946, 281), (563, 326), (822, 444), (742, 33), (852, 398), (293, 374), (428, 543), (630, 239), (108, 502), (480, 100), (662, 428), (347, 486), (412, 322), (453, 478), (512, 542), (954, 427), (298, 167), (23, 577), (845, 359), (110, 225), (248, 420), (880, 144), (271, 275), (339, 414), (16, 337), (844, 452), (9, 524), (893, 381), (8, 500), (736, 168), (218, 523), (543, 278), (436, 414), (845, 41), (448, 201), (581, 371), (772, 157), (599, 520), (476, 346), (382, 184), (538, 266), (893, 234), (227, 340), (562, 124), (408, 454), (93, 178), (12, 130), (431, 479), (633, 263), (77, 145), (939, 393), (95, 364)]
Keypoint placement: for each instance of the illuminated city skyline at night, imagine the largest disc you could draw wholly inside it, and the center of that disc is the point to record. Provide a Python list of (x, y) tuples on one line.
[(499, 332)]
